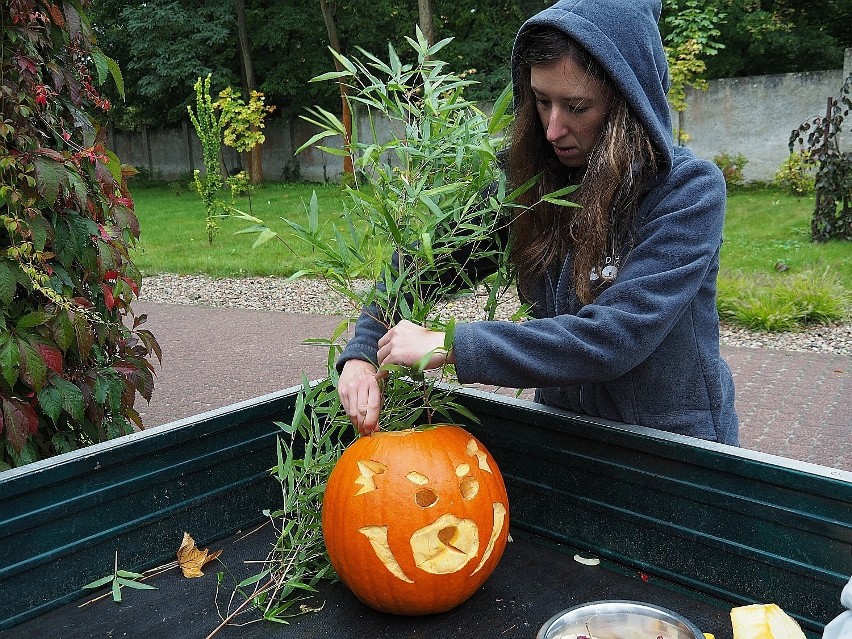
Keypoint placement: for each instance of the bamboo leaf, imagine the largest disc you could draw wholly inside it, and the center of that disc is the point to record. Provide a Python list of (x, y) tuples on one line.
[(331, 75), (343, 60), (264, 237), (103, 581), (116, 591), (135, 584)]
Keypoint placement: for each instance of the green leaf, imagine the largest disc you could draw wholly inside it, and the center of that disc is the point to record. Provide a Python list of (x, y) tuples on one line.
[(313, 213), (117, 77), (344, 61), (33, 369), (50, 400), (78, 187), (450, 334), (135, 584), (315, 138), (36, 318), (48, 174), (129, 575), (331, 75), (264, 237), (564, 191), (100, 60), (7, 284), (103, 581), (426, 245), (72, 398), (116, 591), (498, 120), (9, 359), (331, 150), (114, 166), (63, 331)]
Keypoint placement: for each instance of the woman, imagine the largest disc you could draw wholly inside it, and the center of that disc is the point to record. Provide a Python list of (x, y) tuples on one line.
[(623, 288)]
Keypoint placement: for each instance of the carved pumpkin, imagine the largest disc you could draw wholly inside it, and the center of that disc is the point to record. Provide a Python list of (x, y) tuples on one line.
[(415, 521)]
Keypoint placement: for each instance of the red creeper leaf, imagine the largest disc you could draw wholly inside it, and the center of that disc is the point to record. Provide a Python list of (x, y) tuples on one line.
[(52, 356), (109, 300), (20, 421)]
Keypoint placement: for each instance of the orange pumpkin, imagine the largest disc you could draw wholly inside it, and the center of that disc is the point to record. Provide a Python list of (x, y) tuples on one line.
[(415, 521)]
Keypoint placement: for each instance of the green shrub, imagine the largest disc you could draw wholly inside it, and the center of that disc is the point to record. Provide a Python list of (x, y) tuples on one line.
[(795, 176), (783, 303), (72, 356), (732, 167)]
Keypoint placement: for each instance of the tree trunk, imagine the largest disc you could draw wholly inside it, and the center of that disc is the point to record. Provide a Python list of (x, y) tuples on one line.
[(425, 9), (253, 160), (346, 118)]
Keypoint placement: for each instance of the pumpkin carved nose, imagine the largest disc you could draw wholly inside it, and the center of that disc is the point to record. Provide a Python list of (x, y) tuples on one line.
[(426, 497)]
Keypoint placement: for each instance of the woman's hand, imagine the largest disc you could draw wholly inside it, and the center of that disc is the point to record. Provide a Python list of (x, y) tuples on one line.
[(406, 343), (360, 395)]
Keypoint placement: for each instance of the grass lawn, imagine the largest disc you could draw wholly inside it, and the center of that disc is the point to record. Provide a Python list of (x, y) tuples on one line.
[(174, 236), (765, 228), (769, 266)]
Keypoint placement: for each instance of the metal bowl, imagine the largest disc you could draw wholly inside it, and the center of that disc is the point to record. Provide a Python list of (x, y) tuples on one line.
[(618, 620)]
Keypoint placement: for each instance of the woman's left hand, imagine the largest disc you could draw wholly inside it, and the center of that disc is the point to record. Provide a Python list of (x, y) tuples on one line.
[(406, 343)]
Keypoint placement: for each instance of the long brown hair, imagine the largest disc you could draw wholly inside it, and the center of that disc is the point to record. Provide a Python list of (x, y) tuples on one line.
[(619, 166)]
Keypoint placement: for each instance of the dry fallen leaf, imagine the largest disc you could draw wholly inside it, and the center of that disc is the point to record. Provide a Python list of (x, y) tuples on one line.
[(191, 559)]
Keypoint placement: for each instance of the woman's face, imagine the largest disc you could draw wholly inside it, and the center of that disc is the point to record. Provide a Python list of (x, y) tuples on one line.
[(572, 107)]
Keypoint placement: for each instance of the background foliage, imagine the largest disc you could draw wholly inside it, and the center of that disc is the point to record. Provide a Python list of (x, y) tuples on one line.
[(70, 366), (164, 45)]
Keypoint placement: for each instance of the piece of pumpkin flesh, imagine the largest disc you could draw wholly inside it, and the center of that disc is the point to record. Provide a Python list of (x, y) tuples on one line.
[(764, 621)]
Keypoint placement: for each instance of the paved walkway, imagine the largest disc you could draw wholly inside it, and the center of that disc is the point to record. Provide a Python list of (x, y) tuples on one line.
[(792, 404)]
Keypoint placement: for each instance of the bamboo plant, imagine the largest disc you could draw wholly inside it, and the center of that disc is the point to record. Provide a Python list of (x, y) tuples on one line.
[(427, 203)]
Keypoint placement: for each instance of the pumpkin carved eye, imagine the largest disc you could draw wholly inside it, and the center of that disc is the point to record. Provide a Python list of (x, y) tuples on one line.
[(367, 469), (469, 488)]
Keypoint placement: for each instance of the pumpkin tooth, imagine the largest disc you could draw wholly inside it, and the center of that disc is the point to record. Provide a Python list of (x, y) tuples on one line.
[(417, 478)]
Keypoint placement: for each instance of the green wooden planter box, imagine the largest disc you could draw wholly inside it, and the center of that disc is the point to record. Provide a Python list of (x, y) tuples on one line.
[(717, 525)]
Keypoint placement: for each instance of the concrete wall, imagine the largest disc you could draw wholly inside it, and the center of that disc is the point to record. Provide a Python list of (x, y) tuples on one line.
[(753, 116)]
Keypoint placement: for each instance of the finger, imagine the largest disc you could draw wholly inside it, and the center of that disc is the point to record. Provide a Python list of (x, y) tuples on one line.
[(374, 407), (382, 353)]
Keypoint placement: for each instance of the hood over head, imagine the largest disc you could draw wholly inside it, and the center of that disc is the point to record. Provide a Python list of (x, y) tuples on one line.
[(624, 37)]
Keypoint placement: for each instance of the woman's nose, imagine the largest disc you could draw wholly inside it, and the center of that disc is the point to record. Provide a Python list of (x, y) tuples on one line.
[(557, 125)]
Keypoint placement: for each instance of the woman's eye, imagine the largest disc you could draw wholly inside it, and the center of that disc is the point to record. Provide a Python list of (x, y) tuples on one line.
[(541, 102)]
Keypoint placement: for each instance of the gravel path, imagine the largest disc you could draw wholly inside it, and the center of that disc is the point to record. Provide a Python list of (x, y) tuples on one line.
[(314, 297)]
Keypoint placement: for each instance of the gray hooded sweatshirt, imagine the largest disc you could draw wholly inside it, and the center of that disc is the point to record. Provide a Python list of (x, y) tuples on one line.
[(646, 351)]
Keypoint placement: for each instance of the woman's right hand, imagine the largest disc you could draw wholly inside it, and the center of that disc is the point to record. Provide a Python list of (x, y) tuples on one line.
[(360, 395)]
